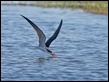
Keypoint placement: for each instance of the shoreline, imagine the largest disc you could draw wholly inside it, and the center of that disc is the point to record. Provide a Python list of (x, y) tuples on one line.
[(96, 7)]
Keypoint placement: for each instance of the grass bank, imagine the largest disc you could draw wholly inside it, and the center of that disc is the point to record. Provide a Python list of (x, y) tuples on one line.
[(99, 7)]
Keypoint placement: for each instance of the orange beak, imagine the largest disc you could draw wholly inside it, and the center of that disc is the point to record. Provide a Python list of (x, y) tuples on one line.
[(53, 55)]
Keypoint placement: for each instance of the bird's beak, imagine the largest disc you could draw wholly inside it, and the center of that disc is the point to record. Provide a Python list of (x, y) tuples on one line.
[(53, 55)]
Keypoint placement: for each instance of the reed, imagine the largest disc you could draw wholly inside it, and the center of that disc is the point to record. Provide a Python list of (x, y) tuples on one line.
[(99, 7)]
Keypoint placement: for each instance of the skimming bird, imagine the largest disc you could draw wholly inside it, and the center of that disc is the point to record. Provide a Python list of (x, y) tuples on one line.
[(44, 46)]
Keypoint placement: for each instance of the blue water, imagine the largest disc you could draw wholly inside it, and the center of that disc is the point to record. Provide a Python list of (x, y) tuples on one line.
[(81, 47)]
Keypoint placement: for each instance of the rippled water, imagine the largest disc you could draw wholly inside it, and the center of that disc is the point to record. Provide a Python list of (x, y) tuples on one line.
[(81, 47)]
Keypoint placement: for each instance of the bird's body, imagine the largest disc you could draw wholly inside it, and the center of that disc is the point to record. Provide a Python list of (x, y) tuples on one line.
[(44, 46)]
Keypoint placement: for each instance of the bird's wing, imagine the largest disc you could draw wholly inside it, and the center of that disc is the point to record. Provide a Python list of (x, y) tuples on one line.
[(53, 37), (40, 34)]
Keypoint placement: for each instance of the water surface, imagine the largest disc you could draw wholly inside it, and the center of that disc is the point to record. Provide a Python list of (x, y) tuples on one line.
[(81, 47)]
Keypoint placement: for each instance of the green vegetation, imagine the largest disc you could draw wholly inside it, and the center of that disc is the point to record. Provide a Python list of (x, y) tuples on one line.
[(99, 7)]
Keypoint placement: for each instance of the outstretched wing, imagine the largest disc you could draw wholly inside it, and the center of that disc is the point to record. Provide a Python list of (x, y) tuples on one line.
[(53, 37), (40, 34)]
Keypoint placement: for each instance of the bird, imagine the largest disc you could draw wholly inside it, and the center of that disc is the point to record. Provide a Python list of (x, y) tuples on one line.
[(43, 44)]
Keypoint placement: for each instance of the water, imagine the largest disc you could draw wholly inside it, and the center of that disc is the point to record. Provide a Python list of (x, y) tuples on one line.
[(81, 47)]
